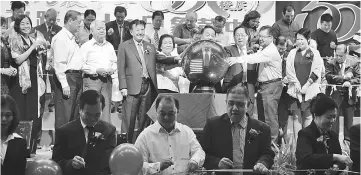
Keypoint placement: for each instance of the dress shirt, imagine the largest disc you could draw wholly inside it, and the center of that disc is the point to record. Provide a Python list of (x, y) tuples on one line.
[(240, 152), (121, 31), (243, 51), (66, 54), (83, 34), (149, 31), (140, 49), (270, 60), (86, 130), (180, 145), (4, 145), (98, 55)]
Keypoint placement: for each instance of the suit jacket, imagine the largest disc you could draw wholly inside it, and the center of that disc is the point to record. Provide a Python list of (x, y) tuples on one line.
[(311, 154), (333, 76), (235, 72), (130, 67), (115, 38), (217, 143), (70, 141), (355, 147), (15, 157), (48, 36)]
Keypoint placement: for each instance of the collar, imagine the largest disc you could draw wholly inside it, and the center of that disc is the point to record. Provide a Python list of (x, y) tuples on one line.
[(160, 129), (286, 22), (244, 48), (70, 35), (243, 122), (119, 25), (136, 42), (12, 136), (156, 28), (97, 43)]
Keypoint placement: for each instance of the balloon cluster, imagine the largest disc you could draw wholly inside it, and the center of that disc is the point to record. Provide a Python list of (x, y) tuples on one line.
[(43, 167)]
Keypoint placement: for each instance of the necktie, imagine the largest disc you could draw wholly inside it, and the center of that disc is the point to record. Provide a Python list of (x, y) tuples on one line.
[(244, 65), (342, 72), (141, 55), (90, 132), (236, 140), (156, 37), (120, 32)]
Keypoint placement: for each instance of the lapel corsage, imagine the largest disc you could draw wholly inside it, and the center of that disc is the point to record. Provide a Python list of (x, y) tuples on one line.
[(96, 138), (52, 33), (148, 50), (253, 134), (309, 55)]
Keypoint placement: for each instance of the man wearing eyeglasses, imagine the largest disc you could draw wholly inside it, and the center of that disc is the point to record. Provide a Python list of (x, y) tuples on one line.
[(269, 76), (169, 147)]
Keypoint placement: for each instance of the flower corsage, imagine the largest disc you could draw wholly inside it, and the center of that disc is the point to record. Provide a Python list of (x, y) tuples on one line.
[(253, 134), (148, 50), (96, 138)]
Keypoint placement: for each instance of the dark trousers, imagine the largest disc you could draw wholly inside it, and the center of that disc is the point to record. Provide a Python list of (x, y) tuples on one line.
[(283, 107), (136, 107), (270, 94), (346, 110), (67, 109), (52, 86)]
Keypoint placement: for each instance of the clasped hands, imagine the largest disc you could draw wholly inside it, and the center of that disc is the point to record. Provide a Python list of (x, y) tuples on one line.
[(78, 162), (226, 163), (192, 165)]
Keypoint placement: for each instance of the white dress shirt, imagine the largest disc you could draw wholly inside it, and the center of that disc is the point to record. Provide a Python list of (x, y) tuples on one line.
[(98, 55), (149, 32), (223, 38), (66, 55), (86, 131), (4, 145), (180, 145), (270, 60)]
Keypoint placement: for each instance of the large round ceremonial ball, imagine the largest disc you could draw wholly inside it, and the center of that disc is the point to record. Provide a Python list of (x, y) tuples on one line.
[(43, 167), (205, 62), (126, 159)]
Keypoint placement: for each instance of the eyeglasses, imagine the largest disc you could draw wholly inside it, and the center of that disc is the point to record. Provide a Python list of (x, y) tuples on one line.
[(242, 36), (163, 114), (263, 37)]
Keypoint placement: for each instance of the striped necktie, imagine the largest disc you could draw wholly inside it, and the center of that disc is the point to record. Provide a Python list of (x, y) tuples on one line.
[(156, 37)]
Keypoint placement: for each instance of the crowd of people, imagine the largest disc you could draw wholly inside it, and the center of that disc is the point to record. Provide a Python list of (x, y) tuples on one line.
[(283, 82)]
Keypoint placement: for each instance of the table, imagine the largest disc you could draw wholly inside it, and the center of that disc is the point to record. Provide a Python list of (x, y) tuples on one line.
[(195, 108)]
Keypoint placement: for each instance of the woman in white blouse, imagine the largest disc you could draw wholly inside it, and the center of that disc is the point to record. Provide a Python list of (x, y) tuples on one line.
[(168, 76), (13, 147), (303, 70)]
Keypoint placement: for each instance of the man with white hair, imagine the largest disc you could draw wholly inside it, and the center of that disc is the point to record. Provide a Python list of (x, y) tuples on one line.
[(184, 33), (100, 65)]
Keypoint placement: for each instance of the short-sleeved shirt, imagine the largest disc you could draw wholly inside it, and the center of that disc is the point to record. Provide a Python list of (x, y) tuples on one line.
[(323, 40), (181, 31)]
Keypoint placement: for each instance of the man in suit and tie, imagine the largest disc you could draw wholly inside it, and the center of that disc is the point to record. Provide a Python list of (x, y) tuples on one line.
[(118, 30), (338, 72), (137, 78), (235, 140), (83, 146)]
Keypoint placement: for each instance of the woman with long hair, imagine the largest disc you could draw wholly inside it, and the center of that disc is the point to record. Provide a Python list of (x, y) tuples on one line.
[(26, 50)]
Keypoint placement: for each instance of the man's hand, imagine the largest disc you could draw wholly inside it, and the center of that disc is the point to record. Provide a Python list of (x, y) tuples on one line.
[(160, 56), (346, 84), (13, 71), (343, 159), (333, 45), (66, 91), (110, 31), (192, 166), (124, 92), (225, 163), (165, 164), (259, 168), (102, 72), (297, 87), (78, 162), (349, 75)]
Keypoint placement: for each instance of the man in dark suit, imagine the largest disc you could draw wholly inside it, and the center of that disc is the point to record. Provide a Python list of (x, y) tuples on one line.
[(337, 74), (118, 30), (235, 140), (83, 146), (137, 78)]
